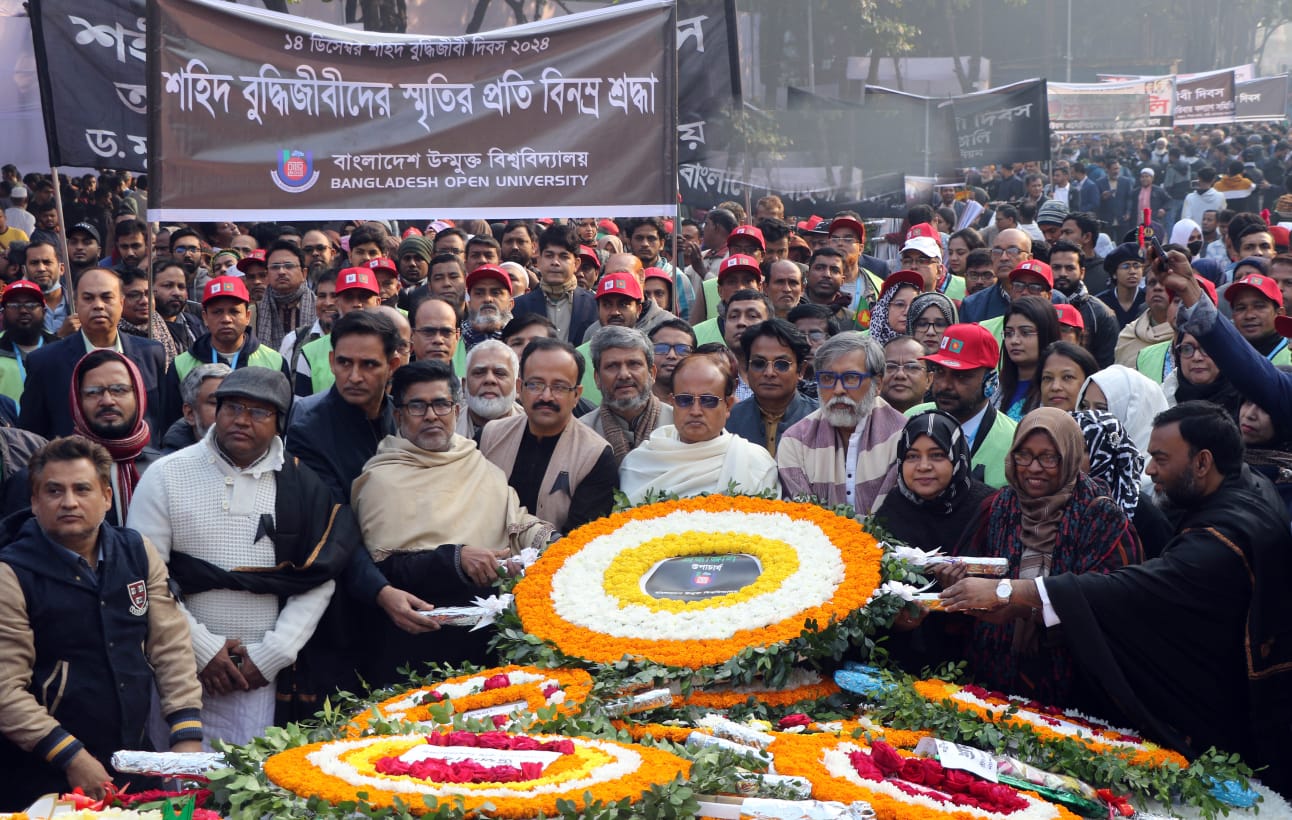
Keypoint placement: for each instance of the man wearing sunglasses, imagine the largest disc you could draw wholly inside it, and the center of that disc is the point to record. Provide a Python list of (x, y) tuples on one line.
[(776, 354), (845, 452)]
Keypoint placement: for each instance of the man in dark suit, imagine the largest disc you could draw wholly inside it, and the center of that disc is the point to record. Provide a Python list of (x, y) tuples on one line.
[(558, 297), (1087, 190), (45, 406)]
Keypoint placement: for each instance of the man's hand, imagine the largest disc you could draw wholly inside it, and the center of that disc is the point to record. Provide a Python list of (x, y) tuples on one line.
[(405, 610), (1179, 277), (948, 574), (971, 595), (222, 676), (72, 324), (87, 773), (694, 256), (187, 747), (481, 564), (250, 672)]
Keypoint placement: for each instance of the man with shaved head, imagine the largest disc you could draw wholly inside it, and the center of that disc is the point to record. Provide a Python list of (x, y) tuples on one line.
[(1009, 249)]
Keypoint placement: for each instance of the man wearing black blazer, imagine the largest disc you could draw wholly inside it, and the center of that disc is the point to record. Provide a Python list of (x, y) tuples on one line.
[(558, 297), (45, 408)]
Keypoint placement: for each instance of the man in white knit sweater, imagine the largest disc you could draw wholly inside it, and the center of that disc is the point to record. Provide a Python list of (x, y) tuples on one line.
[(214, 504)]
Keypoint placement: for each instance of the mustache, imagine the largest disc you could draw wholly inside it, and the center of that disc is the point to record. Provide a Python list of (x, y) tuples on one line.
[(548, 405)]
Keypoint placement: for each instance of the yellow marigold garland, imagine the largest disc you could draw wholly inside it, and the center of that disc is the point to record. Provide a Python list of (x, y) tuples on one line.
[(293, 771), (1148, 754), (727, 698), (859, 551)]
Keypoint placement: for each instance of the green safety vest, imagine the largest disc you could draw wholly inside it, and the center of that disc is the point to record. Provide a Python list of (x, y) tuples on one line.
[(263, 356), (11, 381), (321, 378), (991, 452)]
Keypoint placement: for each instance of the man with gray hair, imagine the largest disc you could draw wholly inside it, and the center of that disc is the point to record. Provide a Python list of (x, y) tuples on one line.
[(845, 452), (198, 394), (490, 384), (623, 367)]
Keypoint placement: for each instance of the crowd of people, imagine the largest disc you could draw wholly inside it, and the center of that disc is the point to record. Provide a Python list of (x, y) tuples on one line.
[(243, 465)]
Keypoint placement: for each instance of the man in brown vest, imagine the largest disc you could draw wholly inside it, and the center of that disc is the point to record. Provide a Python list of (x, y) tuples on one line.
[(562, 471)]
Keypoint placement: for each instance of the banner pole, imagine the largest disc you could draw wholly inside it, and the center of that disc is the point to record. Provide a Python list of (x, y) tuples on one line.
[(62, 227)]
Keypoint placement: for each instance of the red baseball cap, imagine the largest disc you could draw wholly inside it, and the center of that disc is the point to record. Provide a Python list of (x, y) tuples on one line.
[(1069, 315), (489, 272), (657, 273), (410, 232), (1282, 236), (21, 286), (1034, 267), (925, 239), (222, 287), (813, 224), (1260, 283), (382, 263), (902, 277), (849, 222), (965, 347), (254, 257), (357, 279), (739, 261), (608, 226), (589, 255), (623, 284), (751, 232)]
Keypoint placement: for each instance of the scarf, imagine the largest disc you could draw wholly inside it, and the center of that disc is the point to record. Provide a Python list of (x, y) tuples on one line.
[(1133, 398), (157, 331), (556, 293), (1219, 391), (124, 451), (879, 329), (946, 433), (665, 463), (925, 301), (623, 437), (279, 315), (1114, 459), (1041, 516)]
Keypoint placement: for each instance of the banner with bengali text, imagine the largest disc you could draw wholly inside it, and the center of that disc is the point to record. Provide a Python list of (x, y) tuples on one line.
[(92, 90), (1262, 99), (1084, 108), (1007, 123), (708, 73), (1202, 99), (257, 116)]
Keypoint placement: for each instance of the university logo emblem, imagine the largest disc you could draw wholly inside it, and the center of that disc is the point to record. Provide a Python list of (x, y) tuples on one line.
[(295, 172), (138, 597), (701, 579)]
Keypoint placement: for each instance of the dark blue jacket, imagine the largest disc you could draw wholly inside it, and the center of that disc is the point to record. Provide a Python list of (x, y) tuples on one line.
[(583, 311), (989, 303), (747, 422), (45, 410)]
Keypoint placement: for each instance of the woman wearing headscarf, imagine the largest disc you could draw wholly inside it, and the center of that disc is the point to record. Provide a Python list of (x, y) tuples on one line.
[(929, 317), (1116, 463), (1050, 519), (936, 502), (1268, 439), (1132, 397), (1187, 234), (1197, 377), (888, 316)]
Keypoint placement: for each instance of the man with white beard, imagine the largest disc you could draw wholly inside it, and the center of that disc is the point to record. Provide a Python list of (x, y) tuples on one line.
[(489, 305), (623, 365), (490, 387), (846, 451)]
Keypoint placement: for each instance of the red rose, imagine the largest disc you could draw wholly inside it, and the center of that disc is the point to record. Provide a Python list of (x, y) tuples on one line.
[(462, 739), (524, 743), (498, 721), (497, 682), (912, 771), (963, 800), (493, 740), (796, 719), (550, 689), (865, 766), (886, 758), (933, 772), (957, 782), (981, 789)]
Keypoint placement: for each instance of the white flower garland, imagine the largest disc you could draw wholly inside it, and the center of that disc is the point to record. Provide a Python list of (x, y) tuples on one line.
[(578, 595), (1060, 726)]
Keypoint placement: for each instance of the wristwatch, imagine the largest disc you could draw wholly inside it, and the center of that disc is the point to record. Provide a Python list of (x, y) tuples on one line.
[(1003, 591)]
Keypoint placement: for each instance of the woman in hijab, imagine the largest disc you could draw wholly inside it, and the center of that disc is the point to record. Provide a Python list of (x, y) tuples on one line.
[(1050, 519), (929, 317), (1132, 397), (1196, 376), (1268, 440), (888, 316), (1188, 234), (1115, 462)]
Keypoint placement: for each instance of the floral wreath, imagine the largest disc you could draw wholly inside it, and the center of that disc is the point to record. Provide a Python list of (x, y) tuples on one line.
[(486, 695), (804, 685), (585, 596), (421, 771), (900, 786), (1048, 722)]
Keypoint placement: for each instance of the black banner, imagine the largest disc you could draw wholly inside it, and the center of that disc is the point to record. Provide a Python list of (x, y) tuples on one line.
[(1262, 99), (708, 70), (1008, 123), (1205, 98), (92, 92)]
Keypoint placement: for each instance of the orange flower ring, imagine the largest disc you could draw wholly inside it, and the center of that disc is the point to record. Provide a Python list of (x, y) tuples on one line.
[(338, 771), (567, 599)]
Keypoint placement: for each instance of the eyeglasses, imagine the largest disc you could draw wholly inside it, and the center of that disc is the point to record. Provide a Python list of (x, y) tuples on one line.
[(662, 349), (25, 307), (980, 273), (816, 335), (779, 365), (922, 325), (844, 240), (1013, 251), (1021, 332), (538, 388), (417, 408), (186, 249), (912, 261), (116, 391), (1030, 288), (850, 379), (708, 401), (429, 332), (1187, 351), (277, 266), (233, 409), (1131, 266), (909, 368), (312, 249), (1022, 458)]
